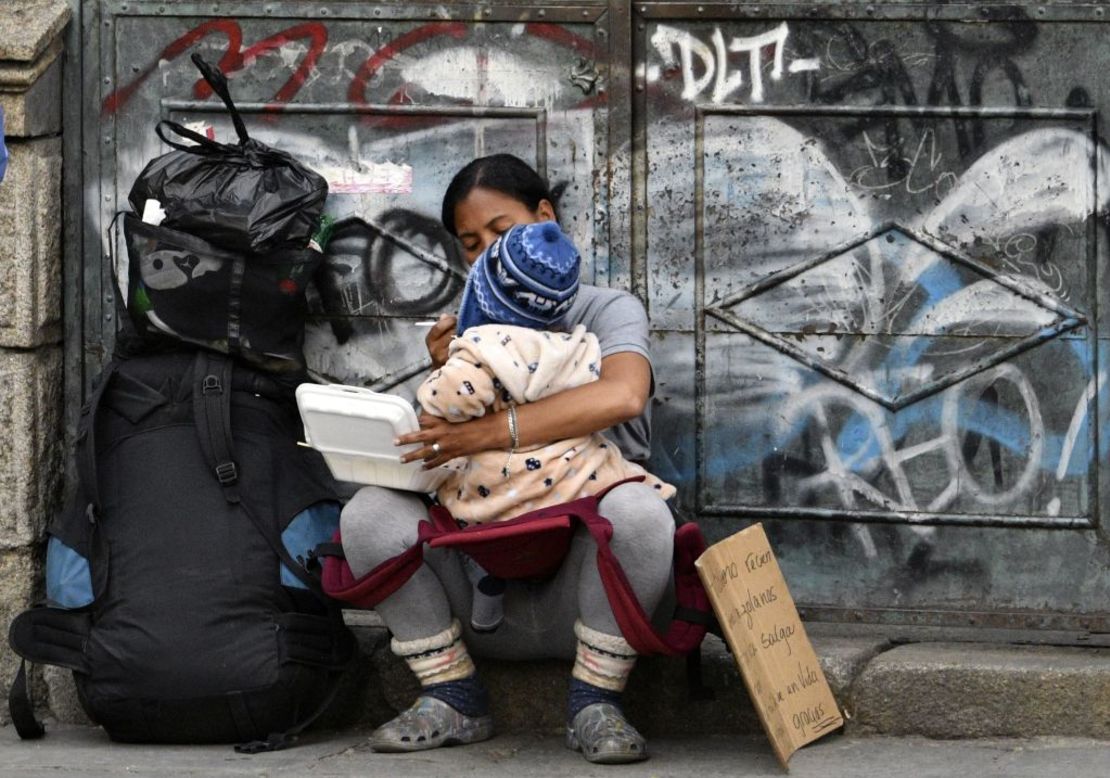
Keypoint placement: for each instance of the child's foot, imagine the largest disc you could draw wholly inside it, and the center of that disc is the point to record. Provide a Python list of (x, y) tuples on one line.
[(488, 611)]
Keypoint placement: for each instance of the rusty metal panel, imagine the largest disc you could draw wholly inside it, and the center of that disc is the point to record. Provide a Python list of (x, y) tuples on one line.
[(874, 247), (388, 101)]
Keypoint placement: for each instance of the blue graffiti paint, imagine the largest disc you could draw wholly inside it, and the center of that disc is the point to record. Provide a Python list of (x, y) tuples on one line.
[(755, 440), (758, 438)]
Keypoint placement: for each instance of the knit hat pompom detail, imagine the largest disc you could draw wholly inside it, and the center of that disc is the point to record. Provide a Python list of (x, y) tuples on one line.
[(527, 277)]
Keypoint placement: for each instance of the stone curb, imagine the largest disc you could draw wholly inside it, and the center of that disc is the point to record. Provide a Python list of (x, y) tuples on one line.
[(942, 690), (530, 696), (965, 690), (939, 690)]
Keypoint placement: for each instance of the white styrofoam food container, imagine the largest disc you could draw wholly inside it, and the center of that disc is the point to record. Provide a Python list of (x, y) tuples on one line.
[(354, 429)]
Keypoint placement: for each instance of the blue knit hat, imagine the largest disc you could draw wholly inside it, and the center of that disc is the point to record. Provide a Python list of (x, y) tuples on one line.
[(527, 277)]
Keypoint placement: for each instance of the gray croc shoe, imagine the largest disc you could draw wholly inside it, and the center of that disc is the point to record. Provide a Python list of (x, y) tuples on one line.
[(430, 723), (603, 735)]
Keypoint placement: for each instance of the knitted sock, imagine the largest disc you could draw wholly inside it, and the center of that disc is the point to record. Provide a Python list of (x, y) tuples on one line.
[(467, 695), (583, 694), (436, 659), (602, 660)]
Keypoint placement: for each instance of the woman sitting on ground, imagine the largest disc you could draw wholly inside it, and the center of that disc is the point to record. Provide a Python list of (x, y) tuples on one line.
[(567, 615)]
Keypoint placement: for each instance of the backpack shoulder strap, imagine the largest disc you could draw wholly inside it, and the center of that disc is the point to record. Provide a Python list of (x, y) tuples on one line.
[(212, 414), (86, 441), (212, 386), (22, 709)]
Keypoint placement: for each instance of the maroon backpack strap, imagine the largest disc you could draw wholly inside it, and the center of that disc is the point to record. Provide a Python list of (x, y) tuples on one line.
[(370, 589), (442, 520), (690, 625), (693, 612), (686, 630), (534, 548), (545, 555), (634, 622)]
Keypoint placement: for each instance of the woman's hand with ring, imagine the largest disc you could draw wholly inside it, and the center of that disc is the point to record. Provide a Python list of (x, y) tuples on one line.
[(441, 441)]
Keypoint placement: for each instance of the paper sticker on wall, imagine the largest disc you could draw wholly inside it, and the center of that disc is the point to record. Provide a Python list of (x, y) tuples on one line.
[(201, 128), (369, 177)]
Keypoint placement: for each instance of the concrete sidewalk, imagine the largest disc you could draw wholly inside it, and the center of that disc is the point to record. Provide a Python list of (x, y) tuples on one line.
[(86, 751)]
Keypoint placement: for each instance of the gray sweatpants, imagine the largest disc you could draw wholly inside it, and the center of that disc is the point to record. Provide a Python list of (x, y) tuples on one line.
[(379, 523)]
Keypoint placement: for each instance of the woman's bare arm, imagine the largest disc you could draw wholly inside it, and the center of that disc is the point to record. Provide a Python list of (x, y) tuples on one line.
[(619, 395)]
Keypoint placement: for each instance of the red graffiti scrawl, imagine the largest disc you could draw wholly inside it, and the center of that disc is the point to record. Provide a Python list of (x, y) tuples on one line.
[(234, 58), (357, 91), (228, 27), (317, 35)]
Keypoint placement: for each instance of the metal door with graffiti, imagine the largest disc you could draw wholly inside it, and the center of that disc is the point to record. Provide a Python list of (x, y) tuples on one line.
[(387, 102), (874, 251), (871, 240)]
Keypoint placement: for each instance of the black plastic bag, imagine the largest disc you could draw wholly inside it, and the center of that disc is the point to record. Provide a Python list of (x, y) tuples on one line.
[(182, 288), (246, 197)]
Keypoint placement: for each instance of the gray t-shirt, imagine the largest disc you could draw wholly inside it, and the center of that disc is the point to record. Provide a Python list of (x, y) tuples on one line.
[(620, 324)]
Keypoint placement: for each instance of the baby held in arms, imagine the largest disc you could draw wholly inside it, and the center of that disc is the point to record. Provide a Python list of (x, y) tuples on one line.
[(508, 352)]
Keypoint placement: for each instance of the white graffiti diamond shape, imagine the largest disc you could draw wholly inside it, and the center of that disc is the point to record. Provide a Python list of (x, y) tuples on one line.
[(956, 319)]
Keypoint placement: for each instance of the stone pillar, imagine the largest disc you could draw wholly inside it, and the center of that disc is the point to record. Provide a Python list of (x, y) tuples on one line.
[(31, 222)]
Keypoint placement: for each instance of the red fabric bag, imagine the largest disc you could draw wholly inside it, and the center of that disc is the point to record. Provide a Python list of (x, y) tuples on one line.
[(533, 546)]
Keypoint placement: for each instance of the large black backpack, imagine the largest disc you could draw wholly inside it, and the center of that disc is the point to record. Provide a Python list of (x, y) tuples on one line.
[(194, 500)]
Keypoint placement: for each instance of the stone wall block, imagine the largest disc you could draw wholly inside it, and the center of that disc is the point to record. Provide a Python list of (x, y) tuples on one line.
[(31, 245), (18, 590), (31, 458), (33, 109), (61, 694), (28, 27)]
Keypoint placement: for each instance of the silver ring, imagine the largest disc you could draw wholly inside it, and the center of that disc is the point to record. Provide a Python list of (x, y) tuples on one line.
[(435, 448)]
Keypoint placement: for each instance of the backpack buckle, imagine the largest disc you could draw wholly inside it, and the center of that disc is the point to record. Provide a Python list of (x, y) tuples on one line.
[(211, 385), (227, 473)]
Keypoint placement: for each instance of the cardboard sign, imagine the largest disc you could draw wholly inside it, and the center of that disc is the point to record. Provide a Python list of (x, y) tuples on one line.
[(768, 641)]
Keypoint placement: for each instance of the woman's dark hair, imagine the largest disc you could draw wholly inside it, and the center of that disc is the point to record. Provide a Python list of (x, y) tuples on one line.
[(502, 173)]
